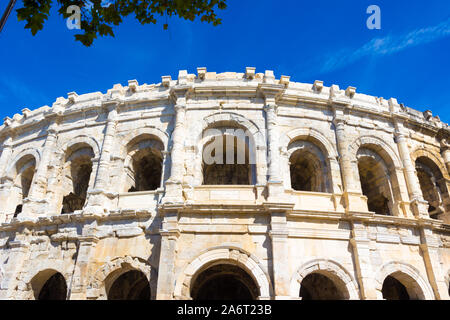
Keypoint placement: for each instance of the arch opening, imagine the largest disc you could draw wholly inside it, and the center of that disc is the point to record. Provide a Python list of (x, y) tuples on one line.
[(394, 290), (25, 169), (144, 165), (224, 282), (433, 186), (307, 171), (375, 181), (228, 160), (54, 288), (317, 286), (131, 285), (401, 286), (77, 173)]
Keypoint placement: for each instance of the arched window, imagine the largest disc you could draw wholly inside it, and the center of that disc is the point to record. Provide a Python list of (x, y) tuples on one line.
[(144, 164), (308, 168), (76, 178), (317, 286), (131, 285), (394, 290), (433, 186), (400, 286), (228, 158), (224, 282), (375, 181), (24, 173), (49, 285)]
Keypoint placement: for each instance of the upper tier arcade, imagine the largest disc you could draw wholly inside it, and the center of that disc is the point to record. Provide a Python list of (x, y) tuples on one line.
[(313, 149)]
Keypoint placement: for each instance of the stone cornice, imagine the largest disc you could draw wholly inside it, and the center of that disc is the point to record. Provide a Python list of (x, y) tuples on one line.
[(248, 84)]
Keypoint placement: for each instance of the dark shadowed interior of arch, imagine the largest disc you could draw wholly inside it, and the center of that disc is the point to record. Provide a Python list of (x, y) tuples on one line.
[(224, 282), (432, 185), (394, 290), (230, 165), (306, 172), (132, 285), (147, 167), (55, 288), (81, 169), (26, 177), (375, 185), (316, 286)]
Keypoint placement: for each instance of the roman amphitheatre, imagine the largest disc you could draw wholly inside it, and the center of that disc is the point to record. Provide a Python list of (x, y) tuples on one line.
[(109, 195)]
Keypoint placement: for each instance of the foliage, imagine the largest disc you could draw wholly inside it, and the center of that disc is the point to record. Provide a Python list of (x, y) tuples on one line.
[(99, 16)]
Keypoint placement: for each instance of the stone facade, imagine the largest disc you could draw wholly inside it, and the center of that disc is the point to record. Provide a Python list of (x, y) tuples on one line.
[(108, 195)]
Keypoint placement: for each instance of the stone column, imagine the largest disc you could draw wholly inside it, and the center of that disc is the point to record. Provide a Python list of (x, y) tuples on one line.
[(82, 273), (272, 137), (5, 183), (354, 200), (13, 286), (166, 269), (98, 200), (445, 149), (6, 154), (274, 183), (280, 253), (361, 257), (38, 187), (430, 252), (419, 205), (174, 191), (102, 179)]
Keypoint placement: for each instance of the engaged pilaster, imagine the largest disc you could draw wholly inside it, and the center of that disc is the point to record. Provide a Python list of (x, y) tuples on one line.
[(99, 198), (430, 252), (81, 274), (169, 238), (36, 197), (6, 154), (418, 204), (5, 183), (354, 200), (361, 253), (270, 92), (174, 189), (280, 250)]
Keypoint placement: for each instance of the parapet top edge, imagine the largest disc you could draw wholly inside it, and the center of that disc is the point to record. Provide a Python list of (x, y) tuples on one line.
[(204, 80)]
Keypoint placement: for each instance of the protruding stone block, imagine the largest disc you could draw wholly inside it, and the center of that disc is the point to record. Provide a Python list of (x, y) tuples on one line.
[(318, 86), (269, 77), (165, 80), (72, 96), (285, 80), (26, 112), (201, 73), (250, 72), (132, 85), (350, 92), (182, 77)]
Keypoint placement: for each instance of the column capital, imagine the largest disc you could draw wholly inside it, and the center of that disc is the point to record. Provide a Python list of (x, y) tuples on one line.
[(180, 107), (172, 234), (271, 91), (179, 93), (339, 120), (445, 144), (271, 107)]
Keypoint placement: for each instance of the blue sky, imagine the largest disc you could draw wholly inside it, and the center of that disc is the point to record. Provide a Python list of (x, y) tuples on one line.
[(407, 59)]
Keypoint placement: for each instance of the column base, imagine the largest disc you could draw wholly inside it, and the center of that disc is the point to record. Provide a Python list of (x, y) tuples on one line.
[(420, 208), (355, 202), (173, 194)]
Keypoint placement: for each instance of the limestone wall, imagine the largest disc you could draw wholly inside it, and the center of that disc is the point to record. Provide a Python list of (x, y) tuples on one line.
[(177, 232)]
